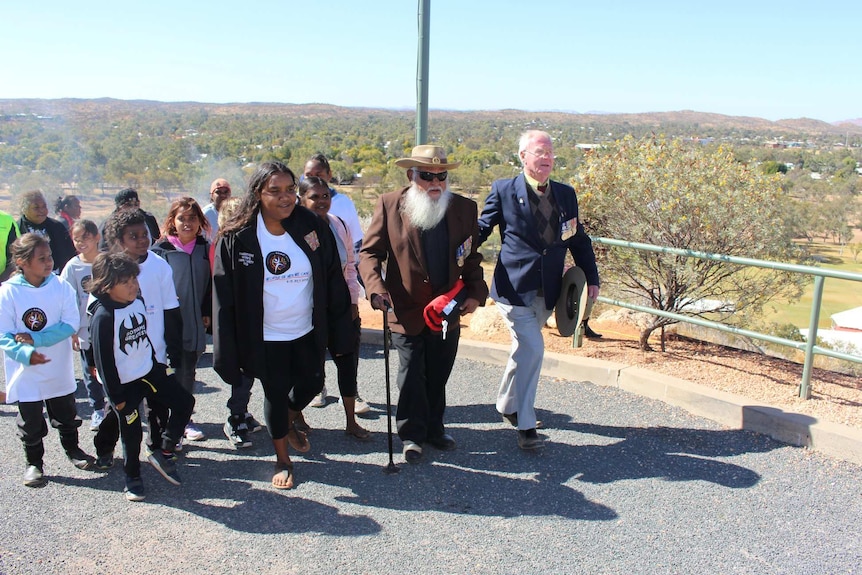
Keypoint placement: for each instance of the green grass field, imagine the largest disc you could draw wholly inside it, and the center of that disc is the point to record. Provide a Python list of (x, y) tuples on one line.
[(838, 295)]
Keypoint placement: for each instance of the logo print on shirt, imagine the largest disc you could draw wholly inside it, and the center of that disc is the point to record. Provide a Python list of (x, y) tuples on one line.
[(35, 319), (133, 336), (277, 263), (85, 283)]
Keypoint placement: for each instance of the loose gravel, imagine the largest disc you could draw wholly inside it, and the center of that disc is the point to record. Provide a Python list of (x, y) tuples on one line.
[(626, 485)]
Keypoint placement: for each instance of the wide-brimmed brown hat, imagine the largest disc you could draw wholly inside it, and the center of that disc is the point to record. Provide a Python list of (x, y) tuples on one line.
[(427, 156)]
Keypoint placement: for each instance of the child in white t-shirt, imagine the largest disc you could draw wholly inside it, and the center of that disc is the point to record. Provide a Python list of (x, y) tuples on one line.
[(85, 236), (126, 231), (38, 311)]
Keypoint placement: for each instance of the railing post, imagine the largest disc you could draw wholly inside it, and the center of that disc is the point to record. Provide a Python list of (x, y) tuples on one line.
[(808, 366)]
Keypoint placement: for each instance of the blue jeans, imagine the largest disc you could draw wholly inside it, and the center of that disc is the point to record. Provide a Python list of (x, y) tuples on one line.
[(95, 391)]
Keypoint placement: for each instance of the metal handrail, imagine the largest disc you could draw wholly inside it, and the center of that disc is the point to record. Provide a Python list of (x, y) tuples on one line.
[(809, 346)]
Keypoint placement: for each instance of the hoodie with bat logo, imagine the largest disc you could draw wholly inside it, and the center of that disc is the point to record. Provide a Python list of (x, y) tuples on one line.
[(122, 350)]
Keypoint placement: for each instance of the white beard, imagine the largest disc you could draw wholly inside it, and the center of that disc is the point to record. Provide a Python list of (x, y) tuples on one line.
[(422, 211)]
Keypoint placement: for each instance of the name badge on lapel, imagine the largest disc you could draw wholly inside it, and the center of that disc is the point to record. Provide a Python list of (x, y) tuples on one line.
[(568, 229), (312, 241), (463, 251)]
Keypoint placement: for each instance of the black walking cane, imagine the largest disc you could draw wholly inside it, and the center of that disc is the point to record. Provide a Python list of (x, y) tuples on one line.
[(387, 339)]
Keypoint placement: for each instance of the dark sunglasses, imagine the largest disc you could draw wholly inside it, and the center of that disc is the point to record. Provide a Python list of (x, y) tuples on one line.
[(429, 176)]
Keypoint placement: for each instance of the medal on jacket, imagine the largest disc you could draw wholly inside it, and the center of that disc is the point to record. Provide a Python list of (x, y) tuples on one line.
[(462, 251), (568, 229)]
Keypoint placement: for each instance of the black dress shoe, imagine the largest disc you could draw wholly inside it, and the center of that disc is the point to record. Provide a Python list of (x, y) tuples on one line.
[(443, 442), (529, 440), (588, 331), (513, 419)]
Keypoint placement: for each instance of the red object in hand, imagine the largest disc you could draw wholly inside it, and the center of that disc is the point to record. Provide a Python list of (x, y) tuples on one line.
[(445, 307)]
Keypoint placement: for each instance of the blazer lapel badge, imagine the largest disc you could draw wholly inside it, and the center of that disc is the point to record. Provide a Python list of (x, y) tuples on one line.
[(312, 241)]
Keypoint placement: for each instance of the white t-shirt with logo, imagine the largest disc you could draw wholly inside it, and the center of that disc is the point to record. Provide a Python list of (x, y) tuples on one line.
[(157, 288), (288, 287), (28, 309)]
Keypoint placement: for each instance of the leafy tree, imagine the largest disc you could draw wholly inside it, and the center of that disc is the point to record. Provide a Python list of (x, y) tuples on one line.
[(773, 167), (342, 171), (470, 179), (668, 193)]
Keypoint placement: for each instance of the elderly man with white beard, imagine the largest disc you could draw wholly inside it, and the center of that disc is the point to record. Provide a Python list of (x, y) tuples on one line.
[(421, 246)]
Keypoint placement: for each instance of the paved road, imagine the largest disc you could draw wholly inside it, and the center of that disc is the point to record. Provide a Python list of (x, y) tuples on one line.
[(627, 485)]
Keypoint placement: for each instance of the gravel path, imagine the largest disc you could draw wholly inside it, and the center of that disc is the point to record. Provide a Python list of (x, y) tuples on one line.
[(626, 485)]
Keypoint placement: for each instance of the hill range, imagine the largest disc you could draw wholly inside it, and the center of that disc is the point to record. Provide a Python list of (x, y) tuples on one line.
[(81, 109)]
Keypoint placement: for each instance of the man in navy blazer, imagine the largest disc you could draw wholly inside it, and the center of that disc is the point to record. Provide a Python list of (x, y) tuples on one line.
[(538, 222)]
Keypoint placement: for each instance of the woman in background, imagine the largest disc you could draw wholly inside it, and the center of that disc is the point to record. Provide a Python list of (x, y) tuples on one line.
[(184, 246), (34, 219), (69, 210), (314, 195)]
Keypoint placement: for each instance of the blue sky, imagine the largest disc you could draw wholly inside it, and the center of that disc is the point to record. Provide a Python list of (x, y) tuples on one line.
[(765, 58)]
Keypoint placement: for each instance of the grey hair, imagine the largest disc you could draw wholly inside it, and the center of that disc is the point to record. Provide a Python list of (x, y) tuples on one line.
[(526, 137), (28, 197)]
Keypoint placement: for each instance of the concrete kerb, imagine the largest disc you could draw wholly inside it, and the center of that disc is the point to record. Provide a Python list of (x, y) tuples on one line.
[(731, 410)]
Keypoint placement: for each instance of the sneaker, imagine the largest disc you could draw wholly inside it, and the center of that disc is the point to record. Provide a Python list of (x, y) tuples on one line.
[(237, 432), (134, 489), (253, 425), (319, 399), (178, 448), (33, 476), (166, 464), (412, 452), (360, 406), (80, 459), (194, 433), (96, 419), (105, 462)]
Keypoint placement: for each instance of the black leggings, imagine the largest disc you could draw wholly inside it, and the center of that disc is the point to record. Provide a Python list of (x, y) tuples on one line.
[(294, 375), (348, 367)]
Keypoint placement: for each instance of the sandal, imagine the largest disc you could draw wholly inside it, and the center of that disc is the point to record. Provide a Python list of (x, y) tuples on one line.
[(359, 433), (301, 424), (298, 440), (283, 471)]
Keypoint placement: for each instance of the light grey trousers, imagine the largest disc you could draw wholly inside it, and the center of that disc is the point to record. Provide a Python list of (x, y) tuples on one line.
[(521, 377)]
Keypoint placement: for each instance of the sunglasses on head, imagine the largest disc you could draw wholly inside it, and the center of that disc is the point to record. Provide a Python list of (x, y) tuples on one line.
[(429, 176)]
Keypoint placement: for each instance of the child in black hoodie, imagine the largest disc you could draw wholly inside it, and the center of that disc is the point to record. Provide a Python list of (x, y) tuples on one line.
[(127, 367)]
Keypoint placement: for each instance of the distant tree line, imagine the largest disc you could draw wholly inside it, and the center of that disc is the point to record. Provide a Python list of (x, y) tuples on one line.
[(165, 149), (731, 189)]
